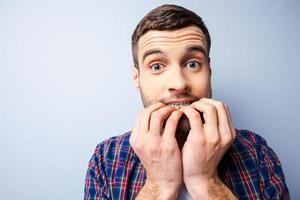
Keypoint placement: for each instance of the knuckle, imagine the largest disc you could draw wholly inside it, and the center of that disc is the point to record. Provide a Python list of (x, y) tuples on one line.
[(146, 112), (215, 139), (169, 149), (153, 148), (139, 147), (202, 141), (136, 144), (158, 115), (220, 103), (227, 139), (211, 108), (195, 114), (171, 120)]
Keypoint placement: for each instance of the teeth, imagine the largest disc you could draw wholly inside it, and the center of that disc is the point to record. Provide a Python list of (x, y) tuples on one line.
[(179, 105)]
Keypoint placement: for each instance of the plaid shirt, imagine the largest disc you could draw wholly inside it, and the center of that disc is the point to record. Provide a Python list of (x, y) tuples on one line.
[(249, 168)]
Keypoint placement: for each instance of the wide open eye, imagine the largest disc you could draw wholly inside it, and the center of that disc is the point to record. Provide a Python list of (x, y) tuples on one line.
[(193, 64), (156, 67)]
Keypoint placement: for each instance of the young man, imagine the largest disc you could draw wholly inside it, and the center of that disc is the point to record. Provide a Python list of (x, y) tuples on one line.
[(183, 144)]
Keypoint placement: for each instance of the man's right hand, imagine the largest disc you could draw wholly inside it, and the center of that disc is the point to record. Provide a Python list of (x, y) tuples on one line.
[(157, 148)]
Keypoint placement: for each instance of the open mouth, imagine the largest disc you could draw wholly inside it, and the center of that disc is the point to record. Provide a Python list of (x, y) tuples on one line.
[(178, 105)]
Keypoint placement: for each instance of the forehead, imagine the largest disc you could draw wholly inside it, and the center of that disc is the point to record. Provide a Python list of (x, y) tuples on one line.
[(190, 35)]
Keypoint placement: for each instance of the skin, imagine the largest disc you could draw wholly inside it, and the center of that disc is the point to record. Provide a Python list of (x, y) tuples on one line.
[(174, 67)]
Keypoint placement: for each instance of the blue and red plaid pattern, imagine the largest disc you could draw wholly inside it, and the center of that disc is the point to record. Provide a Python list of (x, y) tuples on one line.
[(250, 168)]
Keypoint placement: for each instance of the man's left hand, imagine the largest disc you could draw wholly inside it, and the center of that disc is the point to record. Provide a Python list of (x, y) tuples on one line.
[(205, 146)]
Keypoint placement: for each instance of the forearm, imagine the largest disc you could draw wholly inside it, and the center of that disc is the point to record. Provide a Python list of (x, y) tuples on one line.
[(213, 190), (152, 192)]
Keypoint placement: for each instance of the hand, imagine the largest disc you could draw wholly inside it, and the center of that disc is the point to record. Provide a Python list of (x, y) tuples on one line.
[(157, 147), (206, 143)]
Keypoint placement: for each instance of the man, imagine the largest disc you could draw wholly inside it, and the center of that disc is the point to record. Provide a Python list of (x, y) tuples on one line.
[(183, 144)]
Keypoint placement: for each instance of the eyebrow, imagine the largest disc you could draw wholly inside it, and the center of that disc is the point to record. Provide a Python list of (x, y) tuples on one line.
[(191, 49), (151, 52), (197, 48)]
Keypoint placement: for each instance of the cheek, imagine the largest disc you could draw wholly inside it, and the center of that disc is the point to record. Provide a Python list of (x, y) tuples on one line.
[(200, 84), (151, 87)]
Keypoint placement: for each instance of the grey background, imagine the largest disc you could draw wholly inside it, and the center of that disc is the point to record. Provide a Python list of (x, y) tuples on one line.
[(65, 83)]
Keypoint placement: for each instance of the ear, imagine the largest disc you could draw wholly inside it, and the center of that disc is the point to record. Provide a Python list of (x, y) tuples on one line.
[(135, 77), (210, 72)]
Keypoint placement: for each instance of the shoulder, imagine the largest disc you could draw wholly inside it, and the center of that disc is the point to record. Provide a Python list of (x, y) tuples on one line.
[(247, 140), (245, 152), (252, 169), (116, 147), (254, 144), (250, 145), (271, 176), (249, 137), (110, 154), (113, 143)]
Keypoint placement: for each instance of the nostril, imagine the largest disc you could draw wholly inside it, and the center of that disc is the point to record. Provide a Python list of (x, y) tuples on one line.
[(178, 89)]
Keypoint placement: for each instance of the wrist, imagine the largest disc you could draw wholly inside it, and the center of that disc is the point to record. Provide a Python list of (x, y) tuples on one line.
[(163, 191), (199, 188), (213, 188)]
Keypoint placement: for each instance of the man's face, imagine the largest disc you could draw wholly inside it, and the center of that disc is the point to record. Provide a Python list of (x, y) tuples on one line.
[(173, 67)]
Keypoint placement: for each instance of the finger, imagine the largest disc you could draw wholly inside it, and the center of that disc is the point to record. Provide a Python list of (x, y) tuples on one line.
[(211, 121), (171, 124), (223, 121), (230, 121), (193, 117), (209, 113), (145, 117), (157, 119), (135, 129)]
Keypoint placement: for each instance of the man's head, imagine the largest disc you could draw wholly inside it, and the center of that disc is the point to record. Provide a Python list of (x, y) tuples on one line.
[(167, 18), (171, 57), (170, 48)]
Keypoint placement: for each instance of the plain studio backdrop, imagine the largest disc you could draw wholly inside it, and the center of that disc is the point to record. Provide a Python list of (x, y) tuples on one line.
[(65, 83)]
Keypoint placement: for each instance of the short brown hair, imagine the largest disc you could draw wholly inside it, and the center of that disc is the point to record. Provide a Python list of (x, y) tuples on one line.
[(167, 17)]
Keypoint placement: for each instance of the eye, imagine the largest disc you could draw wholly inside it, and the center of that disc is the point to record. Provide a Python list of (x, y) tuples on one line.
[(155, 67), (193, 64)]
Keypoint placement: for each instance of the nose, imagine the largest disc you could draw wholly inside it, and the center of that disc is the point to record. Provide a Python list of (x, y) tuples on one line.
[(177, 81)]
